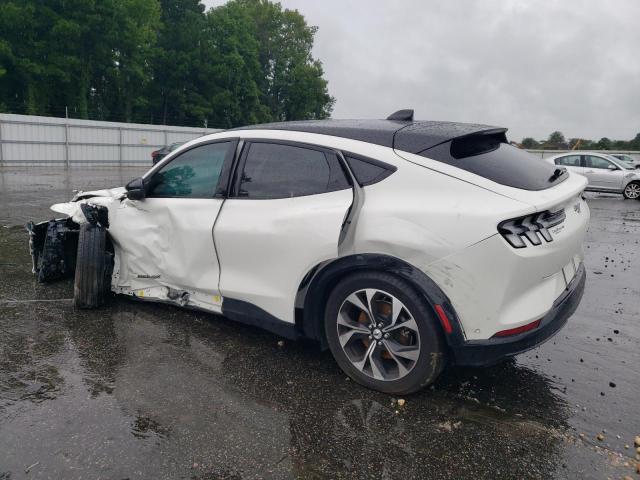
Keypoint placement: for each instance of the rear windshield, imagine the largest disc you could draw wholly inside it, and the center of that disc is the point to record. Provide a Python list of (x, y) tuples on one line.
[(497, 161)]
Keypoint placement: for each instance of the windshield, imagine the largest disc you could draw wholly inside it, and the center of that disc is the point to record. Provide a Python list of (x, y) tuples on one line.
[(626, 164)]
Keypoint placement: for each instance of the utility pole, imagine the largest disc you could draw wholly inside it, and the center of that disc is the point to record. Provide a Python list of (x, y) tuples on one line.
[(66, 136)]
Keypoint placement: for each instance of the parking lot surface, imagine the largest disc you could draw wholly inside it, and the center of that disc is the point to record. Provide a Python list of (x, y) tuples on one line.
[(139, 390)]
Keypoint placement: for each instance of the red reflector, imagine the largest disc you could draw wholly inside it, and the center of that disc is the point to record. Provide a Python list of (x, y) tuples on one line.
[(517, 330), (443, 319)]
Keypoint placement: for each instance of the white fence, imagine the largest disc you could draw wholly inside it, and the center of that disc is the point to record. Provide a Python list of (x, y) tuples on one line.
[(46, 141), (548, 153)]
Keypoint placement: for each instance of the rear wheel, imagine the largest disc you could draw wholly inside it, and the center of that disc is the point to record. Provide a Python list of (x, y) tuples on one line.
[(632, 191), (383, 334), (92, 264)]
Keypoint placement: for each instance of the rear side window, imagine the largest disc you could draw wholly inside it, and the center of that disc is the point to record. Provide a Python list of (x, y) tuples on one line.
[(368, 171), (569, 161), (274, 170), (192, 174)]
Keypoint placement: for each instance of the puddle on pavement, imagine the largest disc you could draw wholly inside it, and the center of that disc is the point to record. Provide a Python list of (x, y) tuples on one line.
[(139, 390)]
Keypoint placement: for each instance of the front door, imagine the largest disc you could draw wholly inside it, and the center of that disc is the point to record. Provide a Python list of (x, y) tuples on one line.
[(165, 248), (283, 218), (602, 173)]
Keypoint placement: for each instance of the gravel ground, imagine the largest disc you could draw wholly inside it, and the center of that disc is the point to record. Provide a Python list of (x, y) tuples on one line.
[(138, 390)]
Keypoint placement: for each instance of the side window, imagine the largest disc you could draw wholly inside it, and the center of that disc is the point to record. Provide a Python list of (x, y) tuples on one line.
[(569, 161), (273, 170), (366, 172), (193, 174), (597, 162)]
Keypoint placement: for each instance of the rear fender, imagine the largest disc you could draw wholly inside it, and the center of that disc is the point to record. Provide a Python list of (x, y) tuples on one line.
[(317, 285)]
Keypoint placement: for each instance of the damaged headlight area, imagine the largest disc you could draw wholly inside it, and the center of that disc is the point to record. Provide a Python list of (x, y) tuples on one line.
[(53, 244), (533, 227)]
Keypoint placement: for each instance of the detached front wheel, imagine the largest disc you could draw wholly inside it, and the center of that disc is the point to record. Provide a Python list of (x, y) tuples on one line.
[(632, 191), (92, 265), (383, 334)]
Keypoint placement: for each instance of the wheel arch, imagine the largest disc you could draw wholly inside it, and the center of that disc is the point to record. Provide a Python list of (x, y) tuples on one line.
[(318, 283)]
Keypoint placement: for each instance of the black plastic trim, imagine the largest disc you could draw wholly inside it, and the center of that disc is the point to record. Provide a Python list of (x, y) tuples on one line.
[(314, 296), (249, 314), (405, 115), (488, 352), (388, 169)]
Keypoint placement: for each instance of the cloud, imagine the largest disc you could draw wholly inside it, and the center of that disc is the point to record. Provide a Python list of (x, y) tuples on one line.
[(533, 66)]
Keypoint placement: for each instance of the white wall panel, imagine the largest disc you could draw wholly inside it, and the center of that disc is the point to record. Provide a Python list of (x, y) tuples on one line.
[(27, 139), (96, 135)]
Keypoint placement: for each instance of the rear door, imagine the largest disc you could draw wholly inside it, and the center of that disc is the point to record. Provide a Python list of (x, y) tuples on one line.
[(602, 173), (572, 163), (282, 218), (165, 241)]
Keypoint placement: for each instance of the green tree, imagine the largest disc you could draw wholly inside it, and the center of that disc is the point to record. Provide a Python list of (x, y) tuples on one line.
[(176, 64), (157, 61), (603, 144), (132, 39), (529, 143), (556, 141), (292, 84)]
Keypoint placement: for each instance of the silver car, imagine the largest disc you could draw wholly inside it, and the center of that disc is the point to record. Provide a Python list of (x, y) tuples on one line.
[(627, 159), (604, 172)]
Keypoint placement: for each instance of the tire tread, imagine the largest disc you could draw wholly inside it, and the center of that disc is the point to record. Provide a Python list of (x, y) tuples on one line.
[(89, 284)]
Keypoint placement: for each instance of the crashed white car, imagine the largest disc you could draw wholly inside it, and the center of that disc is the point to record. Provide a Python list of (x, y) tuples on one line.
[(401, 245)]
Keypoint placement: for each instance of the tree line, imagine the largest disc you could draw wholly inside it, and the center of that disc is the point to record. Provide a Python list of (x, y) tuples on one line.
[(557, 141), (160, 61)]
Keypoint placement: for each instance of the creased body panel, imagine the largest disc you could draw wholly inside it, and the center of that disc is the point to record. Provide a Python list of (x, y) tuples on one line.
[(164, 242), (421, 216), (267, 246), (494, 286)]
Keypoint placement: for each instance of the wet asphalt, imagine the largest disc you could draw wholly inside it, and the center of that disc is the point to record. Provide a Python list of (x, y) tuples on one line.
[(138, 390)]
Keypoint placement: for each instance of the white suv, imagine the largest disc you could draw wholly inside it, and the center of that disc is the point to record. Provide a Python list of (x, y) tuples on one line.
[(400, 245), (605, 173)]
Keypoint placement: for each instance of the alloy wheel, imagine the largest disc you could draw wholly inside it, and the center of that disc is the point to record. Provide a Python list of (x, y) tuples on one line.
[(378, 334), (632, 190)]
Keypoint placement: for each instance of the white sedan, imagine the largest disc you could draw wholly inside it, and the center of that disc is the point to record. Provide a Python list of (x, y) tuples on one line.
[(604, 172)]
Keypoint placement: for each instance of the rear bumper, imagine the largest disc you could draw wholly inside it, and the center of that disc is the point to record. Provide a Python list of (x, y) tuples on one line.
[(488, 352)]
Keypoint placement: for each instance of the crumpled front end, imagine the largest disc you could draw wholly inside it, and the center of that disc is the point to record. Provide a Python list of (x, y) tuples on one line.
[(53, 244)]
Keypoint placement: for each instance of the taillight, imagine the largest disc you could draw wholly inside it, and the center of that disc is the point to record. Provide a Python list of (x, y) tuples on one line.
[(533, 227), (515, 331)]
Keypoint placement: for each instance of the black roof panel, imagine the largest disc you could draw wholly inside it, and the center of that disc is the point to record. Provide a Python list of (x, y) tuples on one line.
[(413, 137)]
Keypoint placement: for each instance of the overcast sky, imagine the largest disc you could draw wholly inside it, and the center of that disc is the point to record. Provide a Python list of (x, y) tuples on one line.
[(530, 65)]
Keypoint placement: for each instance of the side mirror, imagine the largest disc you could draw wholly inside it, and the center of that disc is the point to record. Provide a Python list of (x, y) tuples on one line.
[(135, 189), (612, 167)]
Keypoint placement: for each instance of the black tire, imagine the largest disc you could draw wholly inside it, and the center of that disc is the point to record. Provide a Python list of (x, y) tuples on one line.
[(91, 267), (625, 192), (432, 357)]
